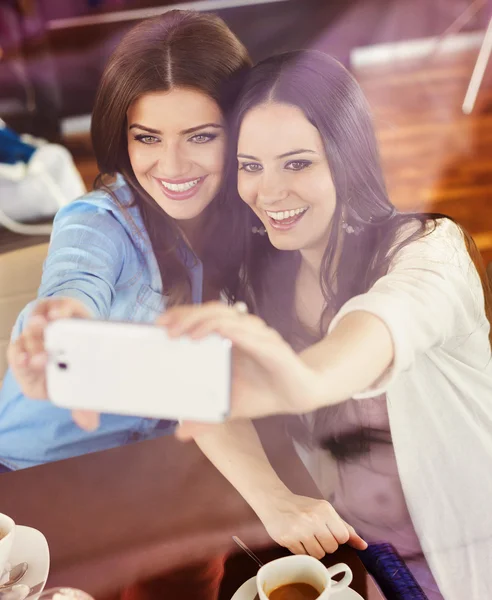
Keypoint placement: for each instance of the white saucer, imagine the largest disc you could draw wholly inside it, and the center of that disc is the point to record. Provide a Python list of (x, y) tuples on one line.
[(30, 546), (248, 591)]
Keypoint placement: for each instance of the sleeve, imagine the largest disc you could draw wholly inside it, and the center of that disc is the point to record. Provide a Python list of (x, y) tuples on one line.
[(431, 294), (85, 259)]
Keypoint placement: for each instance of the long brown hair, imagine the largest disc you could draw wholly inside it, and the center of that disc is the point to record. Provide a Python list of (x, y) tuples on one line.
[(178, 49), (334, 103)]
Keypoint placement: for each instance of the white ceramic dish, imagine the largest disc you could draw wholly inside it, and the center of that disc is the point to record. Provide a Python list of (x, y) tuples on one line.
[(248, 592), (30, 546)]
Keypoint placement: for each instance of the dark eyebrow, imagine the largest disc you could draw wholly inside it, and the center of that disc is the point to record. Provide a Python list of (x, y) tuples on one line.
[(198, 127), (247, 156), (148, 129), (291, 153), (300, 151), (184, 132)]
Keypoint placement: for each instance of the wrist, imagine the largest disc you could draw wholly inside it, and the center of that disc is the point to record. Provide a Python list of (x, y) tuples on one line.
[(270, 499)]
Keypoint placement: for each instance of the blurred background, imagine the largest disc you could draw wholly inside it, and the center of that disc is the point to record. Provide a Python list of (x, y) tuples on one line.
[(414, 59)]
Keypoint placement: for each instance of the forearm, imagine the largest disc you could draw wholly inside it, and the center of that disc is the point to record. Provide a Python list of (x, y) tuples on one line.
[(351, 359), (85, 260), (235, 449)]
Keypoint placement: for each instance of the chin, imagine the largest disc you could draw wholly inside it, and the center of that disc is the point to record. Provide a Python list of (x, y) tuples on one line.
[(184, 210), (186, 213), (285, 244)]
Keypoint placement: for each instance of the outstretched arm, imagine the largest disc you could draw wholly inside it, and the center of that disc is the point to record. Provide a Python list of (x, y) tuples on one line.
[(303, 525)]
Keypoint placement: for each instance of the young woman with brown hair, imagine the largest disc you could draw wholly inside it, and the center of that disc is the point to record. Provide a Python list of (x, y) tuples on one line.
[(156, 232)]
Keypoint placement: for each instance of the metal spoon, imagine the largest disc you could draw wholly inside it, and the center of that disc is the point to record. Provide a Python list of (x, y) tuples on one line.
[(249, 552), (15, 574)]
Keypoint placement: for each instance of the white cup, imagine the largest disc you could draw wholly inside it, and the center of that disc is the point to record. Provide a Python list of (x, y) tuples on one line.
[(7, 530), (301, 569)]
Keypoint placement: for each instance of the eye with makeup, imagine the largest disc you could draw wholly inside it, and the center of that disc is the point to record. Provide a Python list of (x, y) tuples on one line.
[(203, 138), (145, 138), (250, 167), (298, 165)]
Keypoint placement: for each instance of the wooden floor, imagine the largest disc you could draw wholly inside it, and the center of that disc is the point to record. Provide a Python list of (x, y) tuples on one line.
[(435, 158)]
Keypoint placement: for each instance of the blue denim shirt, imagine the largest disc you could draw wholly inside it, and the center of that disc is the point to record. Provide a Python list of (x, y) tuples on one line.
[(100, 254)]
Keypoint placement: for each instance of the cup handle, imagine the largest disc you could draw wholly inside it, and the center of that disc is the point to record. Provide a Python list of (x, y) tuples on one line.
[(337, 586)]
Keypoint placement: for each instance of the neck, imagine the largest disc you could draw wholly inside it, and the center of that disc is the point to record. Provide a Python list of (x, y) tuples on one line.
[(312, 260), (192, 232)]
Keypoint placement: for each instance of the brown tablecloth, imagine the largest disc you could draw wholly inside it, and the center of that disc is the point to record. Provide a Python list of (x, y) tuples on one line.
[(132, 513)]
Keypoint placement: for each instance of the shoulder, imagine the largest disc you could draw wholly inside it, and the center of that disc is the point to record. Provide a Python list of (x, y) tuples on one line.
[(107, 210), (441, 241), (442, 253)]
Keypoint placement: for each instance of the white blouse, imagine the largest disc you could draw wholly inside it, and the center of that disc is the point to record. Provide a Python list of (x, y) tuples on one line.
[(439, 396)]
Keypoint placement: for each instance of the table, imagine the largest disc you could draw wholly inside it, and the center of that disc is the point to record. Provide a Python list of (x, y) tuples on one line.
[(119, 516)]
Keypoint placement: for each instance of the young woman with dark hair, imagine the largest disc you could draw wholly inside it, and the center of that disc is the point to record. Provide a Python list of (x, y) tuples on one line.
[(372, 336), (148, 236)]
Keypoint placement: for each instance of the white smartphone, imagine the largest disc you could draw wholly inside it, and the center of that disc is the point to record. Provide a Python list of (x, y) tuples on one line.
[(136, 369)]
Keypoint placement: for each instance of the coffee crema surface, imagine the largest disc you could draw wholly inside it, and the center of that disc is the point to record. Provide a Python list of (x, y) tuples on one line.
[(294, 591)]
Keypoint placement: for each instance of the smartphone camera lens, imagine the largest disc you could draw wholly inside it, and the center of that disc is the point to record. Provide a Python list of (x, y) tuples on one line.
[(63, 366)]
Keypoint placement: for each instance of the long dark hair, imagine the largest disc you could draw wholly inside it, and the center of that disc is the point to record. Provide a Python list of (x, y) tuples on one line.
[(334, 103), (178, 49)]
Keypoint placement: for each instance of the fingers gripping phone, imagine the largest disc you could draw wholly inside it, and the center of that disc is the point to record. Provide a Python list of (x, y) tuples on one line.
[(136, 369)]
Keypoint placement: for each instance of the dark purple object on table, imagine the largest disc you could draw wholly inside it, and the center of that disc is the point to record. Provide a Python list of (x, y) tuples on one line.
[(391, 573)]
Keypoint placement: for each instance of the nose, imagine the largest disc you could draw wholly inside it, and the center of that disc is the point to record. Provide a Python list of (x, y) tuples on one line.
[(172, 162), (271, 188)]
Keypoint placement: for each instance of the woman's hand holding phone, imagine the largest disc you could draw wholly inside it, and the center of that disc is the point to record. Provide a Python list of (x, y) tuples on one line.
[(27, 356), (268, 376)]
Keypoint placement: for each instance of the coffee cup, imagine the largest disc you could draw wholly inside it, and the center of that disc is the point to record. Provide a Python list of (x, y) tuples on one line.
[(302, 569), (7, 531)]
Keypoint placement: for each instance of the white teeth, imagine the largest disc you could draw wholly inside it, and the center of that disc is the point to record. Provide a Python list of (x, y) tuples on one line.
[(285, 214), (180, 187)]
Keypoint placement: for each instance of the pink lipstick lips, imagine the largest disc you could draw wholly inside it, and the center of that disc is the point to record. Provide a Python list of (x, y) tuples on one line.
[(180, 189), (286, 223)]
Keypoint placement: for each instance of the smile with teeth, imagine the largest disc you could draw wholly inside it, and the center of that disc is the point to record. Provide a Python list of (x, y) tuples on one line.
[(285, 214), (180, 187)]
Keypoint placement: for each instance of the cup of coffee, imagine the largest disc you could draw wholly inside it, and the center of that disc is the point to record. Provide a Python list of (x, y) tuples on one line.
[(7, 530), (300, 577)]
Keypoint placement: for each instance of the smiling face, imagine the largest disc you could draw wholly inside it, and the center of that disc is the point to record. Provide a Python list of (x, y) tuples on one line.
[(285, 178), (176, 146)]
